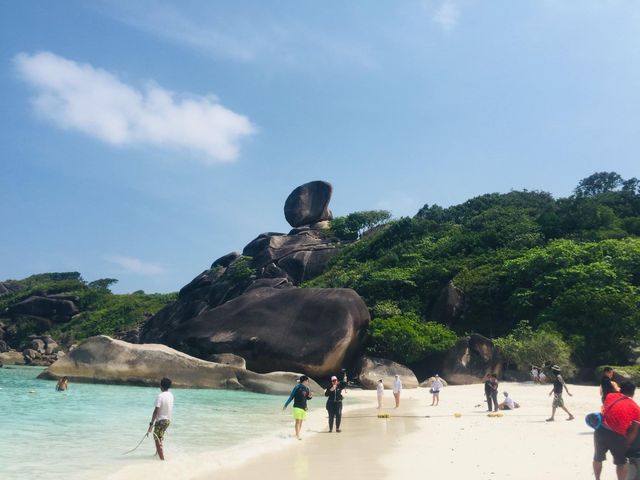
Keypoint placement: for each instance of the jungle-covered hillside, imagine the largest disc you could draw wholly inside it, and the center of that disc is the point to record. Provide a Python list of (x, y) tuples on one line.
[(531, 270)]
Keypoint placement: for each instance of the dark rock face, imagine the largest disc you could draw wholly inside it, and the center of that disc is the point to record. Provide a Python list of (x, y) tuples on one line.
[(470, 360), (9, 287), (58, 310), (228, 359), (315, 331), (225, 260), (373, 369), (309, 203), (296, 257), (450, 305)]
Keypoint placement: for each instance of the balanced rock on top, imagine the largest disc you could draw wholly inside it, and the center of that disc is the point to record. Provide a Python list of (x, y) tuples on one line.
[(309, 203)]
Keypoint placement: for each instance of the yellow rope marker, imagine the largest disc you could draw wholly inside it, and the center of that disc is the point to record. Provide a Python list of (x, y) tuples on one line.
[(384, 415), (457, 415), (495, 414)]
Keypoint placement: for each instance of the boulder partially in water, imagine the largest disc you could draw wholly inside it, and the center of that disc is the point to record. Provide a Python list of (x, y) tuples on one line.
[(102, 359)]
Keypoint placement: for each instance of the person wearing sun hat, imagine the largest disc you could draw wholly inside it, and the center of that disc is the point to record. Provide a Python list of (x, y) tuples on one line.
[(334, 402), (558, 385)]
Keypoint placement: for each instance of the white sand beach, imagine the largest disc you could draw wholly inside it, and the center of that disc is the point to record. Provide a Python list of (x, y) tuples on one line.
[(417, 441)]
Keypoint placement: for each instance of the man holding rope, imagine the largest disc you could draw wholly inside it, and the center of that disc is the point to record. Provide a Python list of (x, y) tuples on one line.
[(161, 417)]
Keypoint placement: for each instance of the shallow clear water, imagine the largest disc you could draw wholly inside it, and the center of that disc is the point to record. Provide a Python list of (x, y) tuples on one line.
[(82, 432)]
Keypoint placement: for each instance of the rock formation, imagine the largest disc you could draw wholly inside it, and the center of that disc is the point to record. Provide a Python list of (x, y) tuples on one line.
[(308, 204), (470, 360), (248, 304), (102, 359), (373, 369), (315, 331)]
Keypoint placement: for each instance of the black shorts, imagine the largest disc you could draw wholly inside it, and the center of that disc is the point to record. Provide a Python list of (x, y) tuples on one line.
[(607, 440)]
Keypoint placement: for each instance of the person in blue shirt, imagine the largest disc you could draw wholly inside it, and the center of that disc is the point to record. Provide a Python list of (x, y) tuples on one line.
[(300, 394)]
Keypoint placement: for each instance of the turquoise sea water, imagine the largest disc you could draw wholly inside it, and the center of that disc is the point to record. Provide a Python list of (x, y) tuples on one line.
[(80, 433)]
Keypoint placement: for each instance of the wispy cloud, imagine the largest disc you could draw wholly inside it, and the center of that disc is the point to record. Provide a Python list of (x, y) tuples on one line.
[(446, 15), (91, 100), (135, 265), (259, 38)]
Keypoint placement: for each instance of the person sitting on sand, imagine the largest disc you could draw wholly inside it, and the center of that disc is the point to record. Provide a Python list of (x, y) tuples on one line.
[(380, 393), (161, 417), (436, 386), (535, 374), (558, 385), (620, 417), (334, 402), (62, 385), (300, 394), (397, 388), (509, 403)]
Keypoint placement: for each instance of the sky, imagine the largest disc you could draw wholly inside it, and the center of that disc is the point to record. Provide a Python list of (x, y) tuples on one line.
[(142, 140)]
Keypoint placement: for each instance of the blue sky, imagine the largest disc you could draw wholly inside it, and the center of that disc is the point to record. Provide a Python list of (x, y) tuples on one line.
[(142, 140)]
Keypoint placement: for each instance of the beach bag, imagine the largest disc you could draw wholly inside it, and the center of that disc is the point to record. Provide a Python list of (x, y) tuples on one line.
[(594, 420)]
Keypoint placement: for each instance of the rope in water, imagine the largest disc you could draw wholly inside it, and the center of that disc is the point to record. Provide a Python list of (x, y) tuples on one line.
[(140, 443)]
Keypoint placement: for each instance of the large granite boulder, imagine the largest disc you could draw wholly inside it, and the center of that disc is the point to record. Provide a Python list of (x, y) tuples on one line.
[(298, 257), (12, 358), (103, 359), (429, 381), (371, 370), (309, 203), (55, 309), (311, 330), (449, 306), (228, 359), (470, 360)]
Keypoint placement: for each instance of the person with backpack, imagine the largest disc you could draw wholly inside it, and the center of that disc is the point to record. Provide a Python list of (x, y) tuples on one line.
[(620, 427), (300, 394)]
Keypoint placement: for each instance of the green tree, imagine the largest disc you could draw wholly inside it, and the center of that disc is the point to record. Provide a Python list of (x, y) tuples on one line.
[(354, 225), (524, 347), (405, 339), (597, 183)]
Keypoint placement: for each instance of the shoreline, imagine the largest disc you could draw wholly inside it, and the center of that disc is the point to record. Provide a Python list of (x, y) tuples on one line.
[(418, 438)]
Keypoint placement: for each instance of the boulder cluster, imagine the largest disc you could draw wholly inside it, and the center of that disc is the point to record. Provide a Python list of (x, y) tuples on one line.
[(41, 350), (250, 303)]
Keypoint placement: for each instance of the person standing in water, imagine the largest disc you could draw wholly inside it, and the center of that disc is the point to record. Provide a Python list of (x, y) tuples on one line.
[(558, 385), (300, 394), (63, 384), (380, 393), (397, 388), (161, 417), (334, 402)]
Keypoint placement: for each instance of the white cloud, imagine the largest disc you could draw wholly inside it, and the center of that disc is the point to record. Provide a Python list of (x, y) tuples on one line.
[(135, 265), (446, 15), (81, 97)]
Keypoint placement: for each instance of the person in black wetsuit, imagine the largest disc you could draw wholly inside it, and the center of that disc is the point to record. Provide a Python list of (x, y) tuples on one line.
[(491, 392), (300, 394), (558, 385), (607, 385), (334, 402)]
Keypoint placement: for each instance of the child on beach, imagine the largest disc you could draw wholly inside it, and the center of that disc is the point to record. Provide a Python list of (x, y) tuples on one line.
[(161, 417), (300, 394), (380, 393)]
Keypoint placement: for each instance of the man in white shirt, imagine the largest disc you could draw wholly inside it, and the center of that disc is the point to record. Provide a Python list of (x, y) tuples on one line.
[(397, 388), (161, 418)]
